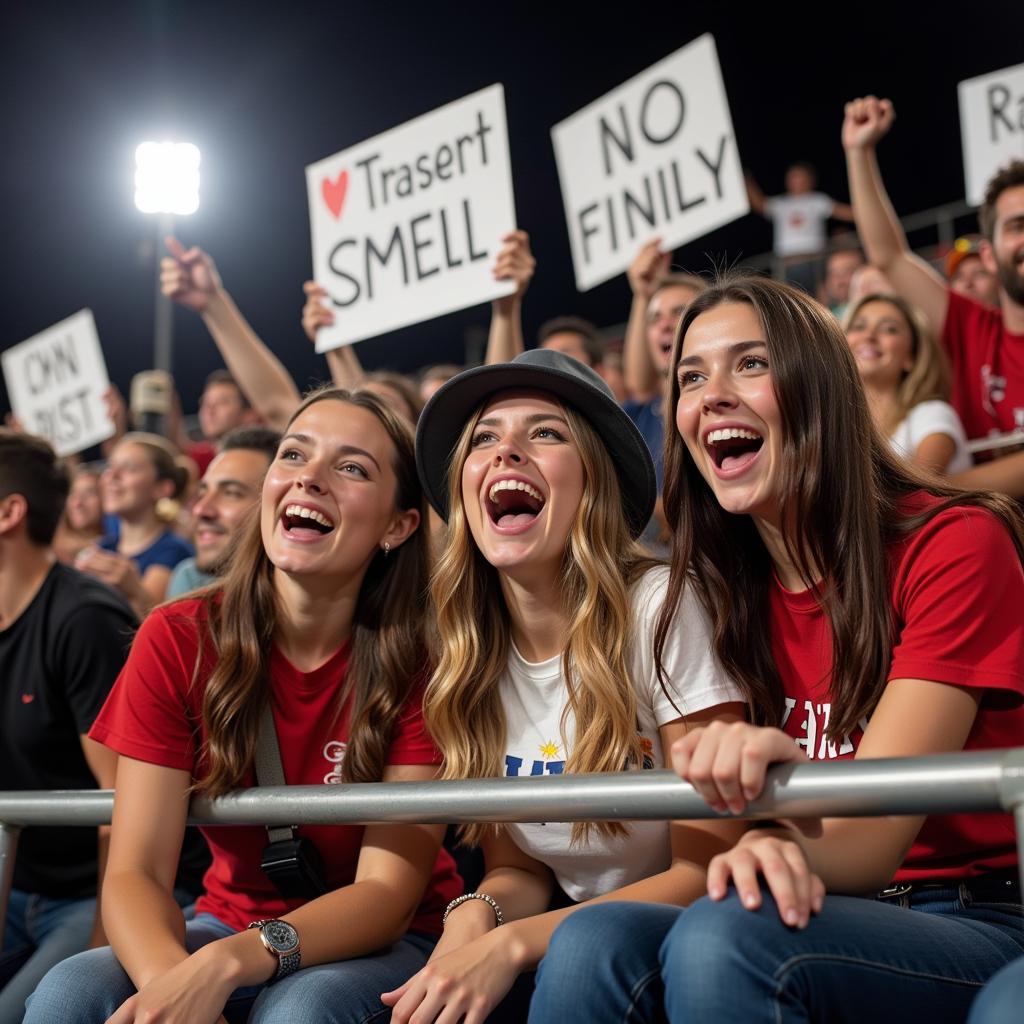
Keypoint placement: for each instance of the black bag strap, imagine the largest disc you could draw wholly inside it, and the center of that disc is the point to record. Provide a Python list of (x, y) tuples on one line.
[(269, 771)]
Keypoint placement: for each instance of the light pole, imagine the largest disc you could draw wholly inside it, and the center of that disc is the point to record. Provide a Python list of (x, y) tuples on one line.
[(166, 183)]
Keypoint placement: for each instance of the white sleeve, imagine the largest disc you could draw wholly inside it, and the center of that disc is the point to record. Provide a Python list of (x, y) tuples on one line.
[(934, 417), (826, 204), (694, 677)]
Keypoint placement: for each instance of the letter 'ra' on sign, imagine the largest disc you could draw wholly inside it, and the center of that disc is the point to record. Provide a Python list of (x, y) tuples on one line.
[(56, 381), (991, 126), (406, 225), (654, 157)]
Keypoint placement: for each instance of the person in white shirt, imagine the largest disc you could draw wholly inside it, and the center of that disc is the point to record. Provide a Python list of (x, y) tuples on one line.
[(546, 611), (906, 378)]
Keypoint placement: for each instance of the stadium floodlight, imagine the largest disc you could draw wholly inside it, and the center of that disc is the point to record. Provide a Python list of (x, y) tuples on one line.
[(167, 178)]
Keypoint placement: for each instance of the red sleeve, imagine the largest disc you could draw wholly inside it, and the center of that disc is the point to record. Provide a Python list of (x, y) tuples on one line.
[(147, 714), (958, 594), (412, 743), (960, 325)]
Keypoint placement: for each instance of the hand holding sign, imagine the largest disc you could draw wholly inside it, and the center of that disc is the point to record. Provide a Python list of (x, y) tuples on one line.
[(866, 122), (188, 276), (650, 265), (315, 313), (514, 262)]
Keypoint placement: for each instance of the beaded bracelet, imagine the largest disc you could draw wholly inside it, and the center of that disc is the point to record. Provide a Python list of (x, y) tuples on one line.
[(458, 901)]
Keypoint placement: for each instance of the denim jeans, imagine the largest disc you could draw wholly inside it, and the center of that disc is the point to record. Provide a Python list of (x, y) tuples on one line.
[(39, 932), (716, 961), (89, 987), (1002, 999)]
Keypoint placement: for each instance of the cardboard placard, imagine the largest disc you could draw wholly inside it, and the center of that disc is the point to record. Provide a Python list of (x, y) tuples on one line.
[(991, 126), (654, 157), (55, 381), (406, 225)]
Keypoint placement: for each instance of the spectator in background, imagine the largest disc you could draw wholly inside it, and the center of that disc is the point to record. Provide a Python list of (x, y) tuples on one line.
[(223, 407), (227, 493), (142, 485), (985, 346), (968, 275), (82, 521), (63, 639), (906, 379), (799, 217), (573, 336), (839, 270), (868, 280), (433, 377)]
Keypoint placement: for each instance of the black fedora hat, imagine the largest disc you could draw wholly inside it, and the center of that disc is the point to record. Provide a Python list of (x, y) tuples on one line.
[(578, 386)]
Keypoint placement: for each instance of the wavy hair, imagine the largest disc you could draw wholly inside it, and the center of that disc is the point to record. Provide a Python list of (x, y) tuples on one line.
[(463, 708), (388, 646), (842, 488), (928, 377)]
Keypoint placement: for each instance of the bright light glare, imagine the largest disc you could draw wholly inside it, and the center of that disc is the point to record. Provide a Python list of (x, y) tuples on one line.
[(167, 177)]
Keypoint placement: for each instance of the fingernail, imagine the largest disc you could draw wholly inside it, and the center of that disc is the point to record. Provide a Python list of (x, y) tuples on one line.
[(792, 918), (750, 900), (716, 893)]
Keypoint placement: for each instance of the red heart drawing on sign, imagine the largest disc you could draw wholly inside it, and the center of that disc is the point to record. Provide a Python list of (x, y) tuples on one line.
[(334, 193)]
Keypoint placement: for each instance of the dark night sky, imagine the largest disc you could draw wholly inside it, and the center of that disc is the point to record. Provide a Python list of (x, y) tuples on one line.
[(264, 89)]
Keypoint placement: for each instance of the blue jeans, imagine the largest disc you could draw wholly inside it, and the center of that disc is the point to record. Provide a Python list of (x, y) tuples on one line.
[(88, 988), (39, 932), (858, 960), (1002, 999)]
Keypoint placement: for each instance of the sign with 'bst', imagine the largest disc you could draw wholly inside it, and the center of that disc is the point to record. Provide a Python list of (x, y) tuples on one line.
[(654, 157), (55, 382), (406, 225), (991, 126)]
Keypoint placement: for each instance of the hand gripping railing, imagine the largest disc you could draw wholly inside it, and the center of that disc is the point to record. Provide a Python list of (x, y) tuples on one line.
[(991, 780)]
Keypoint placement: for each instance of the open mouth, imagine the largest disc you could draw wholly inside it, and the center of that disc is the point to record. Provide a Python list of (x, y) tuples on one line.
[(733, 447), (299, 521), (513, 503)]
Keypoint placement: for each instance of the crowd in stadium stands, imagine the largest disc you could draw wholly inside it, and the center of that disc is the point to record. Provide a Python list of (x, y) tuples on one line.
[(771, 522)]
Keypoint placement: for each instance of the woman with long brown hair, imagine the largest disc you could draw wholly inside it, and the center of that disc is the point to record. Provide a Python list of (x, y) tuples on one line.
[(866, 612), (545, 608), (312, 642)]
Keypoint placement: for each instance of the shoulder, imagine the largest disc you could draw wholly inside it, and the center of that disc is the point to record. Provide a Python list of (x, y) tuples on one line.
[(75, 596), (647, 595), (937, 414), (966, 313), (177, 624), (169, 549)]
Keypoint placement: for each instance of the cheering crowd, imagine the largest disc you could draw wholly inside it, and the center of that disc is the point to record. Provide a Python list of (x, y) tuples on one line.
[(769, 529)]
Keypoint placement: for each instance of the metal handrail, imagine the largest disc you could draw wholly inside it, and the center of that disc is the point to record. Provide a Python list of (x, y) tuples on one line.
[(975, 781)]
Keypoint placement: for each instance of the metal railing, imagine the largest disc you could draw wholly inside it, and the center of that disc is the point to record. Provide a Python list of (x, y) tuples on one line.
[(967, 782)]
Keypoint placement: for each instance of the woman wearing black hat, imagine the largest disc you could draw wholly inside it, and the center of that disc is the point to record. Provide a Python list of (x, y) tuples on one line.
[(545, 612)]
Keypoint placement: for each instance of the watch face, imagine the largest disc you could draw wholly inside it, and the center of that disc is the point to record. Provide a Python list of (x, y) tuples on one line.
[(281, 935)]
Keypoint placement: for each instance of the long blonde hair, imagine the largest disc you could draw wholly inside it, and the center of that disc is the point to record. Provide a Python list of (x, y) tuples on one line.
[(462, 707)]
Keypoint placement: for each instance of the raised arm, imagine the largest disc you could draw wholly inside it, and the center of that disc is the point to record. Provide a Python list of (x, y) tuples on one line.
[(641, 375), (867, 121), (755, 196), (191, 279), (514, 262), (346, 370)]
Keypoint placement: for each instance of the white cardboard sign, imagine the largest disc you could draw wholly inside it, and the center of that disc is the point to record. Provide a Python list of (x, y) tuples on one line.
[(406, 225), (991, 126), (654, 157), (55, 381)]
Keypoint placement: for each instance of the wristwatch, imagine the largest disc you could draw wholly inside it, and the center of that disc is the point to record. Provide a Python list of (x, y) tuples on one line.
[(282, 940)]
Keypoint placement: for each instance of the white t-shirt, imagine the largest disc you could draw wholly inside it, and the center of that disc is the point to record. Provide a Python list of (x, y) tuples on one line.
[(534, 695), (925, 419), (799, 222)]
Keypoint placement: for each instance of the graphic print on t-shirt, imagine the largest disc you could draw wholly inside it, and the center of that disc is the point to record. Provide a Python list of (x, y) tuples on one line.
[(810, 730), (551, 762), (334, 752)]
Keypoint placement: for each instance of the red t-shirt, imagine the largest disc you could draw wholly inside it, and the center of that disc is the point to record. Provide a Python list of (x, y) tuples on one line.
[(154, 714), (957, 594), (988, 368)]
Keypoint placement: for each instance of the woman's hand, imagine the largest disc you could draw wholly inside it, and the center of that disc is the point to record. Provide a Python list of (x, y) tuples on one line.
[(192, 992), (114, 569), (315, 313), (188, 276), (726, 762), (780, 861), (647, 267), (465, 985), (514, 262)]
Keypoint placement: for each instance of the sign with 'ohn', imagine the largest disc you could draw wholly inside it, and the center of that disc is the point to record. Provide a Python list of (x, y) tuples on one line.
[(55, 382), (991, 126), (407, 224), (656, 156)]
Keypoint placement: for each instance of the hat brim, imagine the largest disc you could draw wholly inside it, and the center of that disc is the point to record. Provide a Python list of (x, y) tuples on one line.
[(445, 415)]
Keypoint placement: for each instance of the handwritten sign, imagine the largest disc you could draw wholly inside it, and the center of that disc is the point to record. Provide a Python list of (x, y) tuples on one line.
[(55, 382), (991, 126), (406, 225), (655, 156)]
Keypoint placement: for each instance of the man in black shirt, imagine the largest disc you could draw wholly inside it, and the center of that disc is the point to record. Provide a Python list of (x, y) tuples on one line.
[(63, 640)]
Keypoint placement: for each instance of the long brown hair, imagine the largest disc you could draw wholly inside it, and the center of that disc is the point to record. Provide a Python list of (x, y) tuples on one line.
[(928, 377), (463, 708), (841, 486), (387, 633)]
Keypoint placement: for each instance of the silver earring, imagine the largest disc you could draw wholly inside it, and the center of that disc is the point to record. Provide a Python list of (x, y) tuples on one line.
[(387, 548)]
